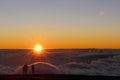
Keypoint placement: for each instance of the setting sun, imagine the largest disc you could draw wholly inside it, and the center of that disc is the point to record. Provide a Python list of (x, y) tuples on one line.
[(38, 48)]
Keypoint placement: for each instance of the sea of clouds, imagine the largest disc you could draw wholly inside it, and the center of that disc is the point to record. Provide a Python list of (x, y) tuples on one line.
[(80, 62)]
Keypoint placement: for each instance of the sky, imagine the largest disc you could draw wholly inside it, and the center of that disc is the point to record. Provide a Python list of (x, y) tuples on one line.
[(60, 23)]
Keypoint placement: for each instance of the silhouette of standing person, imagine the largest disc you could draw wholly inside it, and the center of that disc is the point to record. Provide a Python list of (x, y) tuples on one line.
[(33, 69), (25, 69)]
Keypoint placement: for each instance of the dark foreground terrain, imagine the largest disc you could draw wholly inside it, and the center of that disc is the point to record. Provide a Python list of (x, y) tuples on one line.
[(56, 77)]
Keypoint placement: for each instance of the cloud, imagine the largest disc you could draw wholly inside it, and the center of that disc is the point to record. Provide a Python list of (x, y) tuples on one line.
[(63, 62), (41, 68), (6, 70)]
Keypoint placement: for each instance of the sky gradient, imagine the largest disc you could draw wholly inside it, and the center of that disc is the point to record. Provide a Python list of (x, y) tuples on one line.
[(60, 23)]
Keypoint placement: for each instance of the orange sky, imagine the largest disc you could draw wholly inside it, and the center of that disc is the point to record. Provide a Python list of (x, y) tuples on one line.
[(60, 24)]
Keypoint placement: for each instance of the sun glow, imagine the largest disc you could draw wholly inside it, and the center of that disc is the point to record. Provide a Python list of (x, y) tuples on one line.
[(38, 48)]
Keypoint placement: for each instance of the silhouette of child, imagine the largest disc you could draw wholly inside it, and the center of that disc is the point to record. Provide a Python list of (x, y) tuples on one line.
[(33, 69)]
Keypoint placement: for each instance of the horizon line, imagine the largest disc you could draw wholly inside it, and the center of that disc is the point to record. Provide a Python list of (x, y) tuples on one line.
[(53, 48)]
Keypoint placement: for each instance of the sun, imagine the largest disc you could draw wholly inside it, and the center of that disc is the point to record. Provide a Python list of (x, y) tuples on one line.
[(38, 48)]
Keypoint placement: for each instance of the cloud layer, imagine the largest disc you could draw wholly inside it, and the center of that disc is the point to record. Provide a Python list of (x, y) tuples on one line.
[(106, 63)]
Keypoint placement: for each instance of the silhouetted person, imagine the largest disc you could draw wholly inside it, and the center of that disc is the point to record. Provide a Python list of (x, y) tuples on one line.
[(33, 69), (25, 69)]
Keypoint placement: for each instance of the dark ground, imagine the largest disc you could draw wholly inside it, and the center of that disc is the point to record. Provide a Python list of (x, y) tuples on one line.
[(56, 77)]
